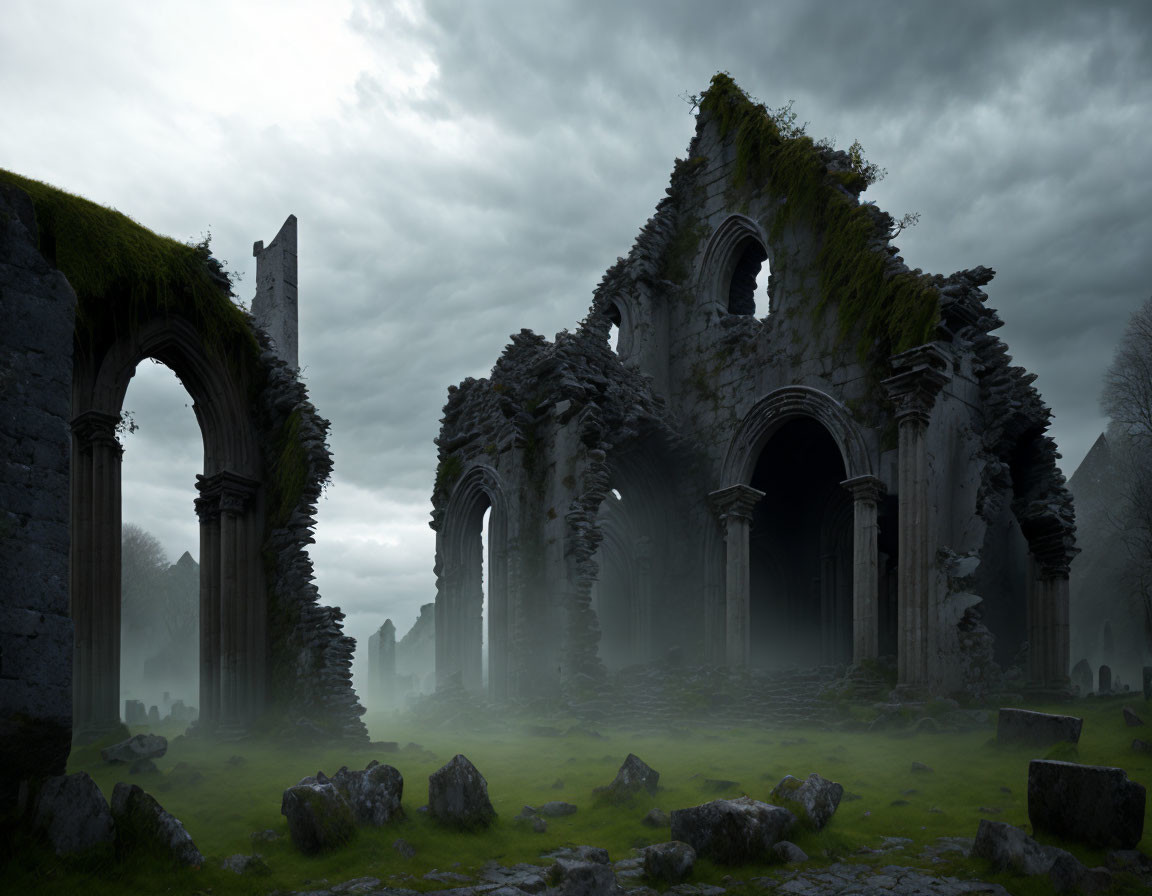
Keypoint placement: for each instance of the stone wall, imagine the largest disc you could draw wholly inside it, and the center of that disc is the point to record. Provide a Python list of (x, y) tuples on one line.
[(940, 497), (35, 396)]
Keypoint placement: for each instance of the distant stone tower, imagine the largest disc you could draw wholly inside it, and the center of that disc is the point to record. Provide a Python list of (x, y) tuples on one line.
[(274, 305), (382, 662)]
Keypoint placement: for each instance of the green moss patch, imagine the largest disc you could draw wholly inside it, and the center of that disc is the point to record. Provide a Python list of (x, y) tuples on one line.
[(887, 313), (124, 274)]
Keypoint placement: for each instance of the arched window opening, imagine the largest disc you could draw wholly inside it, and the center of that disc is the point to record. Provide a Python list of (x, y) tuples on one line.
[(742, 287), (612, 312), (160, 544)]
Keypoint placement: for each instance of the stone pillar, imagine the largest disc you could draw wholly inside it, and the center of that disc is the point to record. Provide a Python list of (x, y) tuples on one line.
[(448, 642), (921, 375), (734, 507), (275, 303), (208, 511), (1048, 631), (95, 574), (382, 663), (235, 608), (866, 493)]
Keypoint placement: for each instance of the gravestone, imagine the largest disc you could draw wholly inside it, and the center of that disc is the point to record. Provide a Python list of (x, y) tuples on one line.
[(1082, 677), (1148, 682), (1105, 680)]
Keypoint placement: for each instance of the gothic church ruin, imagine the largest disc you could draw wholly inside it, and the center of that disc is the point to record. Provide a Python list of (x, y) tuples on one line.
[(841, 466)]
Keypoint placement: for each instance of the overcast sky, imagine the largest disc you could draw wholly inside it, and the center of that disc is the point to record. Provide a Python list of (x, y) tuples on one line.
[(462, 170)]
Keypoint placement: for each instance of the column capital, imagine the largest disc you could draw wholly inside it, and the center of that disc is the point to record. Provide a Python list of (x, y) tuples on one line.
[(865, 488), (735, 502), (224, 492), (921, 373), (93, 428)]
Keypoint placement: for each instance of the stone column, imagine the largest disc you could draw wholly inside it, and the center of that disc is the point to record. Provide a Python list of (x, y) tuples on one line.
[(447, 626), (866, 493), (208, 511), (1048, 628), (734, 507), (96, 573), (224, 500), (921, 375)]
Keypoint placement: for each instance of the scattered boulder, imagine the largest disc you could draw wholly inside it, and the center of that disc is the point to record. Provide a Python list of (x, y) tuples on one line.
[(787, 851), (72, 812), (1096, 805), (633, 777), (404, 848), (1038, 729), (813, 801), (656, 818), (1141, 746), (458, 796), (1009, 848), (582, 876), (143, 824), (374, 793), (1131, 719), (670, 862), (539, 825), (733, 831), (242, 864), (140, 746), (319, 818), (556, 809)]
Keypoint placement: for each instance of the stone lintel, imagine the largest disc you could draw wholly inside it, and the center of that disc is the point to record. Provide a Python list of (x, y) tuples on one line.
[(921, 373), (736, 501), (865, 488)]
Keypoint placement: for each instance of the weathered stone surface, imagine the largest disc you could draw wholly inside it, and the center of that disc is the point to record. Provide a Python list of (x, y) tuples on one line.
[(1131, 719), (1082, 677), (38, 312), (670, 862), (1146, 680), (1008, 847), (573, 877), (72, 812), (1023, 726), (1096, 805), (656, 818), (319, 818), (634, 777), (733, 831), (789, 852), (556, 809), (374, 793), (242, 864), (1105, 686), (135, 713), (143, 824), (140, 746), (813, 801), (458, 795)]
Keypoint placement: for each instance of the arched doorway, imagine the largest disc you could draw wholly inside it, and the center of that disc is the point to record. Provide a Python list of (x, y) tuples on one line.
[(800, 558), (233, 602), (615, 597), (472, 613)]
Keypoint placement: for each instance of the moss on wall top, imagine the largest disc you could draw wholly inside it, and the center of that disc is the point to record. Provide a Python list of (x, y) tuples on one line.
[(123, 273), (891, 310)]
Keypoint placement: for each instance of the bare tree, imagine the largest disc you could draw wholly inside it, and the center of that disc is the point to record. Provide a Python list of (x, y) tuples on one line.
[(1127, 400), (143, 577)]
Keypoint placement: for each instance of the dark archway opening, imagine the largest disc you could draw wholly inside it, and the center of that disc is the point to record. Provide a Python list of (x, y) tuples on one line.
[(614, 594), (801, 552), (742, 288)]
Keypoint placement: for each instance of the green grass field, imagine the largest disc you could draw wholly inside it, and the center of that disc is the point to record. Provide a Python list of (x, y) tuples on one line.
[(222, 801)]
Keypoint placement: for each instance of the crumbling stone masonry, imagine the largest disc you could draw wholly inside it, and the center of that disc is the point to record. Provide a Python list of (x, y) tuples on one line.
[(270, 655), (843, 466)]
